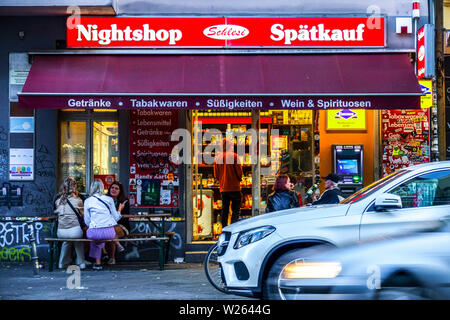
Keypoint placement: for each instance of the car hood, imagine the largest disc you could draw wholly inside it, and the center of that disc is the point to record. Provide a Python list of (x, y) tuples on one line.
[(289, 216)]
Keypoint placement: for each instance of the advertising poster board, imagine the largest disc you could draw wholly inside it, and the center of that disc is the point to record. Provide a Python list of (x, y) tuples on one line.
[(405, 139), (346, 119), (154, 178), (21, 164)]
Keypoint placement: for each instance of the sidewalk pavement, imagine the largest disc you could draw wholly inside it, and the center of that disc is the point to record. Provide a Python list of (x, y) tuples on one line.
[(127, 281)]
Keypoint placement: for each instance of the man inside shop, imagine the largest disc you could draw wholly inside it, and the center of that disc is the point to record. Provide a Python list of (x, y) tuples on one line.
[(228, 171), (332, 194)]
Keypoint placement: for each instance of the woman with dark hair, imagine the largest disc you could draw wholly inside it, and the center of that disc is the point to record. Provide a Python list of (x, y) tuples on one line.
[(117, 192), (283, 197)]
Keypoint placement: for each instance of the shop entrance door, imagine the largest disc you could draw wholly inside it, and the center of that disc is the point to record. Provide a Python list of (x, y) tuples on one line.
[(88, 147)]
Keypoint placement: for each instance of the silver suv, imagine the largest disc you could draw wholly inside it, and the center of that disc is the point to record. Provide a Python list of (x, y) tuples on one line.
[(410, 199)]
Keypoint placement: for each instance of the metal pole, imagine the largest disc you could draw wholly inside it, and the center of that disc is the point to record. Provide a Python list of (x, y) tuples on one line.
[(440, 79), (415, 45), (196, 145), (34, 255), (256, 168)]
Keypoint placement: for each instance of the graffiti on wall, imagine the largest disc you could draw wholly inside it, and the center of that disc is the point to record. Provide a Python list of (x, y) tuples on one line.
[(19, 254), (15, 239), (4, 154), (38, 196), (136, 249)]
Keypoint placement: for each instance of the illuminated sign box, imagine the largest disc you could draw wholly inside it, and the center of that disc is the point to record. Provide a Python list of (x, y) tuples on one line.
[(346, 119), (426, 101), (309, 32)]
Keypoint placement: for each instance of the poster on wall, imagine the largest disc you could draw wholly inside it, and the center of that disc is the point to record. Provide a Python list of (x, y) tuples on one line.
[(346, 119), (21, 124), (21, 164), (405, 139), (19, 67), (154, 178), (107, 179)]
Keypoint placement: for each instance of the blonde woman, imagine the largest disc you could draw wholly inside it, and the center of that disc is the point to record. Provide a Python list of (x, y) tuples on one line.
[(68, 224), (101, 216)]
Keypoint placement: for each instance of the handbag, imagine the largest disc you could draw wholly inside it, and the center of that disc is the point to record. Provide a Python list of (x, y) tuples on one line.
[(83, 225), (121, 231)]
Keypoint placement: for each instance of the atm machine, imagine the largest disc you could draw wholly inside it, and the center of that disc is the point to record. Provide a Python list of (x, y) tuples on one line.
[(348, 165)]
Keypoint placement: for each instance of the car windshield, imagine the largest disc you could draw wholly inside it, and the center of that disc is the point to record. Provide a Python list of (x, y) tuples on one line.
[(365, 192)]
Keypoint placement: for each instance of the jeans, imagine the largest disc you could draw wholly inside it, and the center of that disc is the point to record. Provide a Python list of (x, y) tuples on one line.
[(235, 199), (66, 249)]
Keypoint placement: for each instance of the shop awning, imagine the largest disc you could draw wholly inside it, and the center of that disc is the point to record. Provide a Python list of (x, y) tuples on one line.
[(315, 81)]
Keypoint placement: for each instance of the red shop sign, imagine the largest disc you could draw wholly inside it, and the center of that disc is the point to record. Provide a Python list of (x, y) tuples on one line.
[(421, 53), (95, 32)]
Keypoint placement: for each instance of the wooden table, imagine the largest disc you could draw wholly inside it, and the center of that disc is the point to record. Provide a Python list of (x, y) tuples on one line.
[(161, 229)]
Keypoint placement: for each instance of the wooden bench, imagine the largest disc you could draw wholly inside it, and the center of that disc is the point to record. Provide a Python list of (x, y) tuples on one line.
[(162, 242)]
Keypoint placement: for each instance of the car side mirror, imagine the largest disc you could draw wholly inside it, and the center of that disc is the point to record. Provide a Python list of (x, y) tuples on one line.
[(387, 201)]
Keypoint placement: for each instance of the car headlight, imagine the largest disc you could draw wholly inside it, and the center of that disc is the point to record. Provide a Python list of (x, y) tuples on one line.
[(249, 236), (311, 270)]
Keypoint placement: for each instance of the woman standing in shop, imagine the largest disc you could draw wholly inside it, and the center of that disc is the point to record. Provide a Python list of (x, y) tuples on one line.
[(66, 204), (101, 216)]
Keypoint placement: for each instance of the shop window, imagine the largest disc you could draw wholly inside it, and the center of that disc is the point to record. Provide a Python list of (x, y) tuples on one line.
[(286, 145), (89, 148), (73, 152), (105, 159), (427, 190)]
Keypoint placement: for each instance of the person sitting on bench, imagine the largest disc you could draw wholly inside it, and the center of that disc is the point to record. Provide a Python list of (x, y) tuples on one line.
[(68, 225), (101, 216)]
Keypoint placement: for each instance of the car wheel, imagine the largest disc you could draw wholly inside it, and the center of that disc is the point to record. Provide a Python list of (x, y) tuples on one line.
[(271, 285), (404, 286)]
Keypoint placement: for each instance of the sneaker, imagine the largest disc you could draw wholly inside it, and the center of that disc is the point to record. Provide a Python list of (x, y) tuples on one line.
[(112, 261), (88, 263), (120, 248), (97, 267), (105, 258), (82, 266)]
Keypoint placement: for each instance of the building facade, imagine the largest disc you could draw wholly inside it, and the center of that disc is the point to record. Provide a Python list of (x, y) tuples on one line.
[(75, 102)]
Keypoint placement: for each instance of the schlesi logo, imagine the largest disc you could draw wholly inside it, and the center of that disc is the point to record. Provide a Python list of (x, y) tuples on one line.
[(421, 53), (226, 32)]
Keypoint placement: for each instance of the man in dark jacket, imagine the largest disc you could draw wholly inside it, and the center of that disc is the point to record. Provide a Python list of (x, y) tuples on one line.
[(332, 194)]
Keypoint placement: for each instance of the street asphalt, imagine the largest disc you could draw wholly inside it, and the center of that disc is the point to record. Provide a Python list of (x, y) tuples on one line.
[(180, 291), (142, 281)]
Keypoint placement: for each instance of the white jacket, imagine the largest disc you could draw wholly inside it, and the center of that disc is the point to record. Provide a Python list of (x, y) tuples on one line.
[(97, 215)]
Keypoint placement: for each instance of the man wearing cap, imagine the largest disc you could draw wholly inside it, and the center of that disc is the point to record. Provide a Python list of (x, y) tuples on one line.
[(332, 194)]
